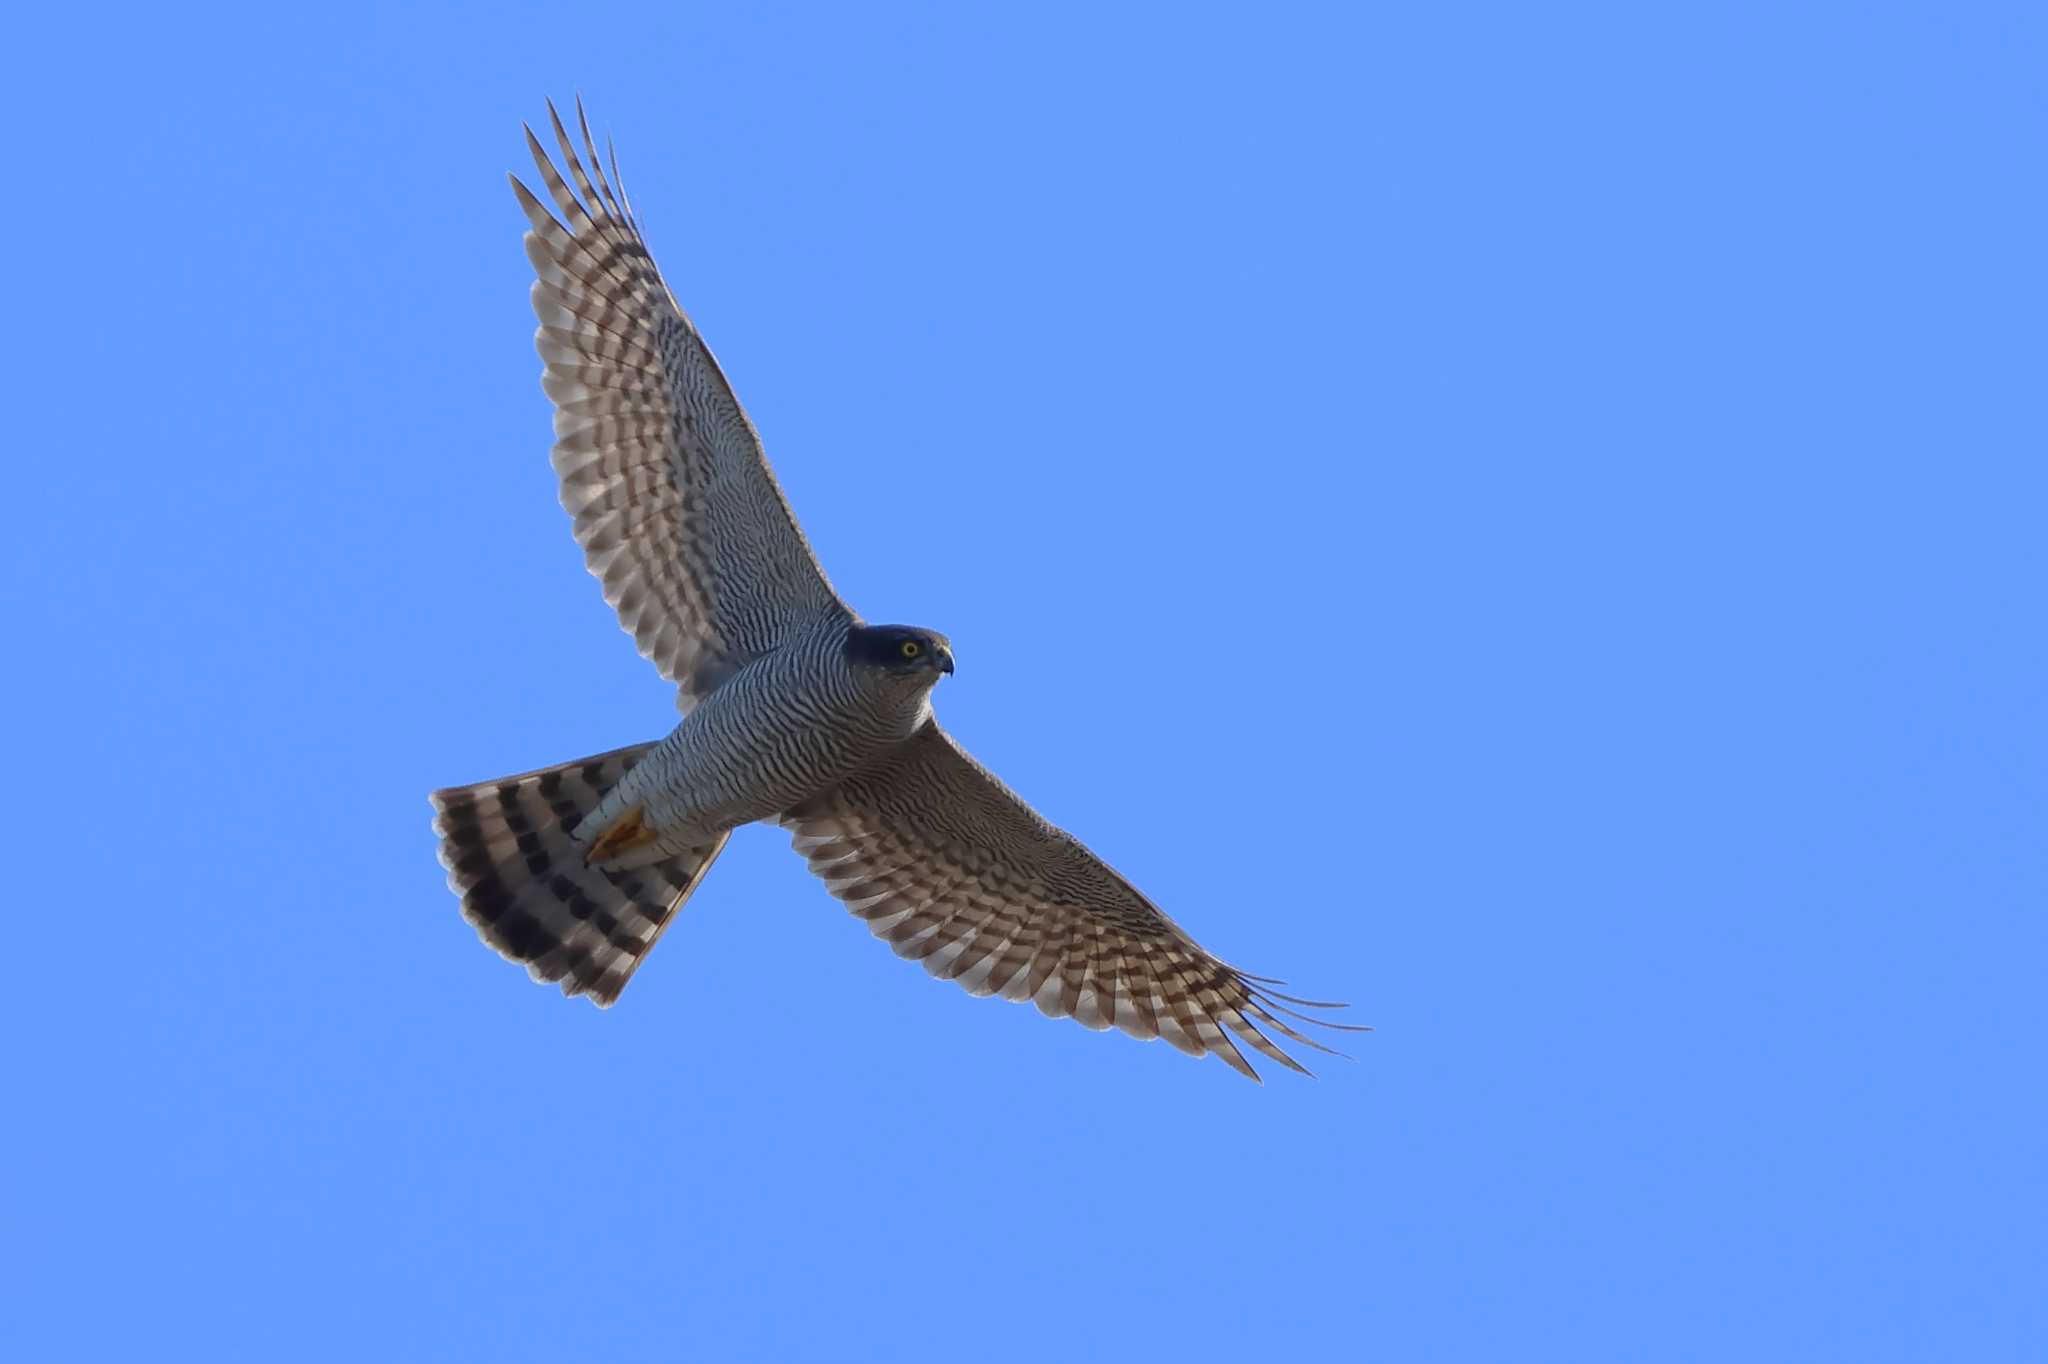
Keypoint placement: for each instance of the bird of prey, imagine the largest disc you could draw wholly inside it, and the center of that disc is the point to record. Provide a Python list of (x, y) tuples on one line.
[(795, 710)]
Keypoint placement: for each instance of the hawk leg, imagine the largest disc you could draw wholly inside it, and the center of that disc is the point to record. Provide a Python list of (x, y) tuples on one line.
[(627, 832)]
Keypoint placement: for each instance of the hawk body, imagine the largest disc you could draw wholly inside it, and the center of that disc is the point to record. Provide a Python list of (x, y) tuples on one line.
[(794, 711), (782, 728)]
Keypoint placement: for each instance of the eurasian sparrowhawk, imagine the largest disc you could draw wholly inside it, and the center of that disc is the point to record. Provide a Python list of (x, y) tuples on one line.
[(794, 709)]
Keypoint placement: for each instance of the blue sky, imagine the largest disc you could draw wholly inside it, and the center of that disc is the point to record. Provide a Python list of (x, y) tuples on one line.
[(1527, 519)]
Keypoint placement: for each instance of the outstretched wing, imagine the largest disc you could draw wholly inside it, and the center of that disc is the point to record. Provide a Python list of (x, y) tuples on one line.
[(677, 511), (953, 869)]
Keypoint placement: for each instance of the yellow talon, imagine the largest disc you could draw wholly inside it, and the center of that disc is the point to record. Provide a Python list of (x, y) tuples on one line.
[(628, 831)]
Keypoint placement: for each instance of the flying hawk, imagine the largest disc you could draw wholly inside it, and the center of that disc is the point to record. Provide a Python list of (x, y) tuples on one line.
[(795, 710)]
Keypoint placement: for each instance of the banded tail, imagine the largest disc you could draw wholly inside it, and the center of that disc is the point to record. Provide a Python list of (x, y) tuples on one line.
[(526, 888)]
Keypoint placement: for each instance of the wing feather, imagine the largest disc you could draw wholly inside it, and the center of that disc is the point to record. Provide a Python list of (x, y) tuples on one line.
[(670, 495), (953, 870)]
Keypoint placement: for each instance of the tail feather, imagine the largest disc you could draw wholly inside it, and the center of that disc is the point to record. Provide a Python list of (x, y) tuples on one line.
[(525, 885)]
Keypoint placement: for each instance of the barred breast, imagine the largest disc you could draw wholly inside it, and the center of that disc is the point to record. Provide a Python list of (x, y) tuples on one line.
[(785, 727)]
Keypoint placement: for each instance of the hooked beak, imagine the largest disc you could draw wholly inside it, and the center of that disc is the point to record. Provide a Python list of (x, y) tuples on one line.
[(945, 660)]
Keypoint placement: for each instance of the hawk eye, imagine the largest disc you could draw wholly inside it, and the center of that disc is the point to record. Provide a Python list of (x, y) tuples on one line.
[(911, 648)]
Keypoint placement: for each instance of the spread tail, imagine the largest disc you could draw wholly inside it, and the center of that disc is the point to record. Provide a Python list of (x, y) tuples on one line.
[(526, 887)]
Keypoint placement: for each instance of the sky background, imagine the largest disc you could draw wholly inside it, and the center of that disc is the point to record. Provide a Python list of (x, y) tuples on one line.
[(1524, 518)]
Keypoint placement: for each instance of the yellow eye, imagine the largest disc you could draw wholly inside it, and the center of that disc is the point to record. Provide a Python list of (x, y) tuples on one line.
[(911, 648)]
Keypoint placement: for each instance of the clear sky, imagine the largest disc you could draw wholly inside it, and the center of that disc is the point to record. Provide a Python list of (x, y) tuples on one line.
[(1525, 518)]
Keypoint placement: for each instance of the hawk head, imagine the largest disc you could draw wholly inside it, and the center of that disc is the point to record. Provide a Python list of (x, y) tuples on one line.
[(906, 652)]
